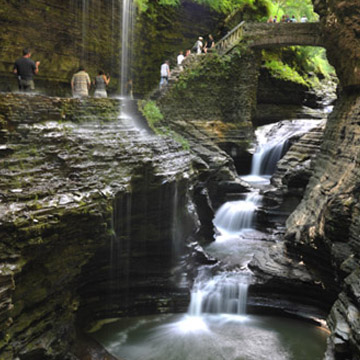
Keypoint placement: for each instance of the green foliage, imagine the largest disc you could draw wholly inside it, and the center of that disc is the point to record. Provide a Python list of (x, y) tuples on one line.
[(151, 112), (221, 6), (153, 116), (298, 8), (278, 69), (298, 63), (143, 5)]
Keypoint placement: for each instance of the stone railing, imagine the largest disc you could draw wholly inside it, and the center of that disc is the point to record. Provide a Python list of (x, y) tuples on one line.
[(225, 44)]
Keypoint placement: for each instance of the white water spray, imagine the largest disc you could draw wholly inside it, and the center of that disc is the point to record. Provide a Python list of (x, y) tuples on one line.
[(235, 216), (273, 142), (223, 294)]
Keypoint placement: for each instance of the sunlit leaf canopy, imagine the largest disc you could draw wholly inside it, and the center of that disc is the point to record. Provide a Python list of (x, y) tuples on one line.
[(297, 8)]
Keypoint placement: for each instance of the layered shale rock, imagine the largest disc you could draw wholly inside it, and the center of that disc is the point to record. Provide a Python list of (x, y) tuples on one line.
[(78, 178), (340, 21), (324, 228)]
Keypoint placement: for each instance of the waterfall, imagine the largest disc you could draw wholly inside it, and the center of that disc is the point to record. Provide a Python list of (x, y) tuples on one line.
[(223, 294), (265, 159), (126, 40), (176, 236), (235, 216), (85, 17), (273, 143)]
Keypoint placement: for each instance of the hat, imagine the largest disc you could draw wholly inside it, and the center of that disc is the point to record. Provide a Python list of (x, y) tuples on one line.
[(200, 38)]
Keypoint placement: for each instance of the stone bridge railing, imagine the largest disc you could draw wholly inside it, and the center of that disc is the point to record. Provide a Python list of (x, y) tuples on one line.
[(232, 38), (264, 35)]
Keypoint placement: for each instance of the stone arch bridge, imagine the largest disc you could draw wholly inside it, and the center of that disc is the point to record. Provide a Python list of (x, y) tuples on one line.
[(264, 35)]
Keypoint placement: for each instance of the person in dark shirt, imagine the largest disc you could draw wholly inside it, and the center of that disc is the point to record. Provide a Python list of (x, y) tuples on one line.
[(25, 69)]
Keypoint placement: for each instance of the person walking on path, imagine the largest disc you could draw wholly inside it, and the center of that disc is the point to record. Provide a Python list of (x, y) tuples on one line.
[(180, 58), (164, 73), (25, 69), (198, 46), (209, 44), (80, 83), (101, 82)]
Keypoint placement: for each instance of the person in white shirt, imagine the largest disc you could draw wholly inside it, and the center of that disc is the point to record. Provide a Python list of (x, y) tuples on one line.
[(180, 59), (164, 73), (304, 19)]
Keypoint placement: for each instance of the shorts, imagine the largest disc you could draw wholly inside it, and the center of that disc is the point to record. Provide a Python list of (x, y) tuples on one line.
[(26, 85)]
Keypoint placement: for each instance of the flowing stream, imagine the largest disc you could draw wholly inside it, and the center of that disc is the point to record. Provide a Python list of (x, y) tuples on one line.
[(216, 325)]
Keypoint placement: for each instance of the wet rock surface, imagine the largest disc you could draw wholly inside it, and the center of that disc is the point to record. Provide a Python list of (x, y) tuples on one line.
[(325, 225), (68, 168)]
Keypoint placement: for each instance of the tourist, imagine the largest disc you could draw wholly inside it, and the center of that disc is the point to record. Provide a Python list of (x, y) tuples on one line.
[(293, 19), (180, 59), (275, 19), (270, 20), (164, 73), (304, 19), (25, 69), (198, 46), (187, 52), (209, 44), (101, 82), (80, 83)]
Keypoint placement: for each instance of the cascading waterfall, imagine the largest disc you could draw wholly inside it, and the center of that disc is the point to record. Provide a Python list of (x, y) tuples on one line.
[(265, 159), (273, 142), (215, 326), (223, 294), (235, 216)]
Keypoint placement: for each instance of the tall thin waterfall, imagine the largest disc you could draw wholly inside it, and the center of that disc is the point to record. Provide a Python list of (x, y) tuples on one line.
[(223, 294), (126, 41), (84, 34)]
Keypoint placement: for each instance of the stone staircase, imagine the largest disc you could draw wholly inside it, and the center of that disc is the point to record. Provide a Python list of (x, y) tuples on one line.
[(223, 46)]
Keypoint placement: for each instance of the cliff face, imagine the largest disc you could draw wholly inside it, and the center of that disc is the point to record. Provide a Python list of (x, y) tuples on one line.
[(325, 226), (341, 27), (63, 35), (81, 186)]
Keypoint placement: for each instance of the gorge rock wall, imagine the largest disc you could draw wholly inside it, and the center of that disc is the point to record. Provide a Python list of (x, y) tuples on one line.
[(340, 22), (77, 181), (324, 228)]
